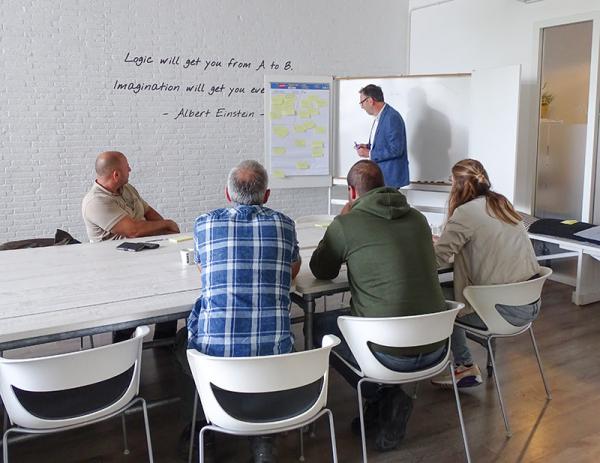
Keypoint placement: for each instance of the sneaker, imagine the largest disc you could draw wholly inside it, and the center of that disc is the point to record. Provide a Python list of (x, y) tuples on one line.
[(466, 376), (394, 411)]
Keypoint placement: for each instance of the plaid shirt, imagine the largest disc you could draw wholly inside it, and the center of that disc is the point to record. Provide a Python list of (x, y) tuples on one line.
[(246, 254)]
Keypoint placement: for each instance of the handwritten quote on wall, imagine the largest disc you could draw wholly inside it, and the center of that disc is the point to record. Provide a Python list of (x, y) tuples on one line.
[(200, 68)]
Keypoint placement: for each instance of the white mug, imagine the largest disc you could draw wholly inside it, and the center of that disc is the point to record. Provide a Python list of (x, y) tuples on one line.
[(187, 256)]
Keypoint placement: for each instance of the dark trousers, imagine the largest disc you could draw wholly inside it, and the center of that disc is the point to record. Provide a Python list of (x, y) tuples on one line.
[(162, 330)]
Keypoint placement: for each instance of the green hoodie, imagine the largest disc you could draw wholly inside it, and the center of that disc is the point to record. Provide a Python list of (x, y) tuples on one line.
[(389, 254)]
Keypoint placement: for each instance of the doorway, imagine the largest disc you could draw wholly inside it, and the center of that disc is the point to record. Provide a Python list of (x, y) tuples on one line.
[(565, 63)]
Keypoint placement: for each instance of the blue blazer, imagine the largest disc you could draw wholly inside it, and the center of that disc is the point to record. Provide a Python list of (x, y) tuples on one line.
[(388, 148)]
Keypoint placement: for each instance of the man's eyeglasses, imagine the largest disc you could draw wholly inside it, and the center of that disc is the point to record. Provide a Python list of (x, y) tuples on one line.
[(363, 100)]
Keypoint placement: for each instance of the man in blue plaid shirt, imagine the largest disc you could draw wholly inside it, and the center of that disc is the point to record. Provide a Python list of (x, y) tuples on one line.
[(248, 255)]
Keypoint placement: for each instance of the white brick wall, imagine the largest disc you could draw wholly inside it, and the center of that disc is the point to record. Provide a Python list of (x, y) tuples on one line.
[(58, 108)]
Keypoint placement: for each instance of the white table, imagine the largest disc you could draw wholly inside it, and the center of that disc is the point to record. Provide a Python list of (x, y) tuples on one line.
[(587, 283), (62, 292)]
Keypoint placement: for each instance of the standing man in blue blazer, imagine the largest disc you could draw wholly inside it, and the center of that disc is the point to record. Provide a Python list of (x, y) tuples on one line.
[(387, 140)]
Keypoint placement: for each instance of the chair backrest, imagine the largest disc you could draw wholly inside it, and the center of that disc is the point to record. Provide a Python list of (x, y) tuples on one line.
[(483, 299), (412, 331), (73, 388), (316, 219), (244, 394)]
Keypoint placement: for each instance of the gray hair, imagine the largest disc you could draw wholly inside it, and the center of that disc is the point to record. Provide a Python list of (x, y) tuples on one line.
[(247, 183)]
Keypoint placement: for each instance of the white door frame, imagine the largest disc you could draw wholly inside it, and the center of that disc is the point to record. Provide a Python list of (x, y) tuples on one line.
[(590, 163)]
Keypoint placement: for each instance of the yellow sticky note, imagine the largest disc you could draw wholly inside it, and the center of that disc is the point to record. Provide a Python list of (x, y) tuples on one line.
[(317, 144), (300, 128), (321, 103), (280, 131), (569, 222), (310, 125), (285, 111), (275, 115), (317, 152), (304, 113), (277, 100), (302, 165), (278, 150), (181, 238), (290, 97), (314, 112), (278, 174), (300, 143), (320, 130)]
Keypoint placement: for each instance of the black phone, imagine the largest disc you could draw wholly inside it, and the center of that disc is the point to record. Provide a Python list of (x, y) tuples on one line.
[(136, 247)]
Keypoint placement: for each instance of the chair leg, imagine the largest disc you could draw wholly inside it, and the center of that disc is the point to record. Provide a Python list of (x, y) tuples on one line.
[(460, 415), (92, 341), (332, 434), (497, 383), (201, 445), (301, 445), (193, 428), (124, 428), (5, 446), (539, 361), (362, 421), (147, 427)]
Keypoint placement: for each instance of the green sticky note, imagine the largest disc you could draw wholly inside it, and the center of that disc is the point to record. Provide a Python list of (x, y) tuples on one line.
[(302, 165), (278, 174), (279, 150), (280, 131), (320, 130), (300, 143)]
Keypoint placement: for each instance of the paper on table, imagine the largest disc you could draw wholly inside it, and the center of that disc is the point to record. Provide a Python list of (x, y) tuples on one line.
[(590, 234)]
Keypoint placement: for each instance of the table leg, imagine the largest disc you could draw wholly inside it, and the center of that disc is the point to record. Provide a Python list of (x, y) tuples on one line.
[(309, 312)]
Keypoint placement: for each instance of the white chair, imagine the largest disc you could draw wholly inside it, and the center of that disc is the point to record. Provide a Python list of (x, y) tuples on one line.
[(316, 219), (483, 299), (253, 396), (67, 391), (410, 331)]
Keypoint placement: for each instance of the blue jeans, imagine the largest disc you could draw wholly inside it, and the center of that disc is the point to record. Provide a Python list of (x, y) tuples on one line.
[(519, 315), (326, 323)]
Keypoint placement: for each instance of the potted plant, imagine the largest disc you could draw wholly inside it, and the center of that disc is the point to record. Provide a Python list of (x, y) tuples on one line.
[(545, 101)]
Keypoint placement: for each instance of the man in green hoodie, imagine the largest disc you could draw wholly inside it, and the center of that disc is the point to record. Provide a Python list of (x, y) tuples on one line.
[(387, 248)]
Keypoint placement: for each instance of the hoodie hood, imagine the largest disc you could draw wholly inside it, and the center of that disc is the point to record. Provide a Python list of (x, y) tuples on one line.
[(384, 202)]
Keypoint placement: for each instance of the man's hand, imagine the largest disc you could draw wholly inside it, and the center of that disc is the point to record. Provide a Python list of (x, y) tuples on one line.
[(347, 208), (172, 227), (363, 151)]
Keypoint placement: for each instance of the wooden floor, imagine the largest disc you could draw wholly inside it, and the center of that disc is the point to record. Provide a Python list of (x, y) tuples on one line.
[(565, 429)]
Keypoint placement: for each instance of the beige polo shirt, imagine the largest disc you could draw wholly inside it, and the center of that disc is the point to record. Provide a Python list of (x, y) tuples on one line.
[(102, 210)]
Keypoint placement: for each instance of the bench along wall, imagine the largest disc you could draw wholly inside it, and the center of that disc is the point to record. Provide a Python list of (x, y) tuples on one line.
[(176, 86)]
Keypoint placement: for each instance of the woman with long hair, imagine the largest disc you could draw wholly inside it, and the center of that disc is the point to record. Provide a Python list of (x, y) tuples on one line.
[(486, 241)]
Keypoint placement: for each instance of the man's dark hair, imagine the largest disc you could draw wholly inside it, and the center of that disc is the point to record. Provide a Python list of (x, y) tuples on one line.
[(372, 91), (364, 176)]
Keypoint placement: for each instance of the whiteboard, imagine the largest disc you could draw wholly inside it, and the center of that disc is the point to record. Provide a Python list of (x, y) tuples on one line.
[(298, 115), (436, 113)]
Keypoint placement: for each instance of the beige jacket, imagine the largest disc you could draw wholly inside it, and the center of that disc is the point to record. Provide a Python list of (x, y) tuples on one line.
[(484, 250)]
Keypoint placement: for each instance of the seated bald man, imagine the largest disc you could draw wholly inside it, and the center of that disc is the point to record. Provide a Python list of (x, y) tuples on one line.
[(114, 210)]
